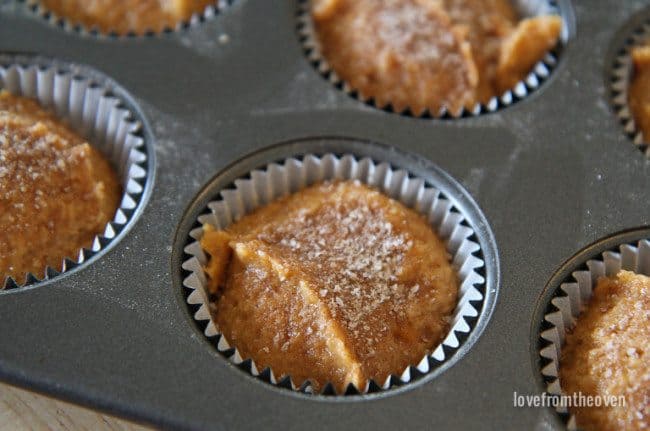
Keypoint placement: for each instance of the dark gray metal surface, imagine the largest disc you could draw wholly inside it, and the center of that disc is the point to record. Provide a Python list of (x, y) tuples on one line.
[(552, 174)]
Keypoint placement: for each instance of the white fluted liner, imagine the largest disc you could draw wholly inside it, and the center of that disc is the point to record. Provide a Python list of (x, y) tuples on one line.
[(277, 180), (208, 13), (621, 78), (539, 73), (97, 116), (574, 295)]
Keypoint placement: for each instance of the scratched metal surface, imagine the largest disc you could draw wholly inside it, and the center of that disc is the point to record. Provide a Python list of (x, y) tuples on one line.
[(551, 174)]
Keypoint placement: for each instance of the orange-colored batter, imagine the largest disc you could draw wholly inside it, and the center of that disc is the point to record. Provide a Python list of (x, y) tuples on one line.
[(608, 354), (56, 191), (430, 54), (336, 283), (124, 16), (639, 92)]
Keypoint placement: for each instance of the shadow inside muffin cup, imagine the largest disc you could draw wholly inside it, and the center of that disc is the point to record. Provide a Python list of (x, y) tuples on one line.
[(273, 180), (568, 294), (101, 113), (64, 23), (538, 74)]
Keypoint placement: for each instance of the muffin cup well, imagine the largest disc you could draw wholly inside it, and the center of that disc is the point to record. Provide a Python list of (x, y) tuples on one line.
[(62, 22), (275, 180), (571, 297), (621, 74), (539, 73), (90, 107)]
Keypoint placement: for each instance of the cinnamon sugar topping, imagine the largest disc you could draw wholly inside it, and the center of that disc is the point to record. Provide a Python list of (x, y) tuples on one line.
[(56, 191), (375, 282), (124, 16), (607, 354), (363, 256), (430, 54)]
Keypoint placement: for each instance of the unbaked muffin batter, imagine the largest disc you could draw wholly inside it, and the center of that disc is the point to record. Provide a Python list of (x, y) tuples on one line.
[(608, 354), (56, 191), (336, 283), (124, 16), (430, 54), (639, 92)]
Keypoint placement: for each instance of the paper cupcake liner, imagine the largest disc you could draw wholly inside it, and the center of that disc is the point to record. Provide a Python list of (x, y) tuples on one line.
[(571, 298), (91, 109), (539, 73), (262, 186), (620, 79), (62, 22)]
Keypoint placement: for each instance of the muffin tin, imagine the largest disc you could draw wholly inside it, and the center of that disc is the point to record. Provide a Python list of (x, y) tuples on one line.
[(415, 182), (101, 111), (550, 174), (570, 290)]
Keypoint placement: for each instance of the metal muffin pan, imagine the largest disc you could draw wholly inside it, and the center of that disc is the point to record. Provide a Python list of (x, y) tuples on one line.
[(552, 173)]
